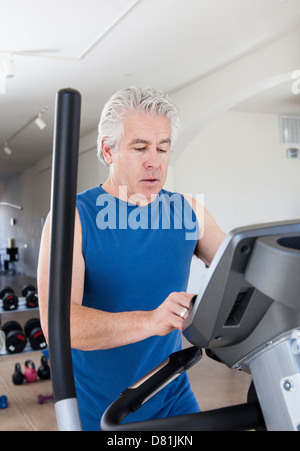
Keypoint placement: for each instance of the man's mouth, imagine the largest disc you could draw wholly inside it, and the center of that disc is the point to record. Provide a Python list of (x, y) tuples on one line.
[(150, 181)]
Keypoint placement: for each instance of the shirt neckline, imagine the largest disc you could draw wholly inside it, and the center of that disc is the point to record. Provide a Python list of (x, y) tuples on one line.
[(128, 204)]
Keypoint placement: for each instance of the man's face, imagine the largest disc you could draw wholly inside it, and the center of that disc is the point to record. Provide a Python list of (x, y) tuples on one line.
[(142, 158)]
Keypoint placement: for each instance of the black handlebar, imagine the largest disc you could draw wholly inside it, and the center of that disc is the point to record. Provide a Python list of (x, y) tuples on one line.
[(176, 364), (63, 197), (240, 417)]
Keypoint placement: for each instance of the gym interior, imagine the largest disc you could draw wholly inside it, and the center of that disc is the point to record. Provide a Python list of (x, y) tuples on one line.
[(234, 73)]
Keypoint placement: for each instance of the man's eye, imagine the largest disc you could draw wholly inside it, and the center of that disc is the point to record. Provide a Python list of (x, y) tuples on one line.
[(140, 148), (162, 150)]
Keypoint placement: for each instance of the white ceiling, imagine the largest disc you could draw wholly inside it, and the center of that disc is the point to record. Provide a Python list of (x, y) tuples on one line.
[(99, 46)]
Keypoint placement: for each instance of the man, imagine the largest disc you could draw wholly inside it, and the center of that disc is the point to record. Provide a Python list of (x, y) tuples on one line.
[(133, 247)]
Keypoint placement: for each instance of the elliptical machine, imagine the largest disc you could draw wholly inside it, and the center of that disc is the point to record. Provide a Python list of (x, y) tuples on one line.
[(247, 314)]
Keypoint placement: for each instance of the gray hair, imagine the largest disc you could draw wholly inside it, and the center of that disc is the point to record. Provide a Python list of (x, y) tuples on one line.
[(133, 100)]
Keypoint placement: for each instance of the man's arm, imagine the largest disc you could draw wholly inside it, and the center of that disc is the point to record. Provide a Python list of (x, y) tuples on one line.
[(210, 234), (93, 329)]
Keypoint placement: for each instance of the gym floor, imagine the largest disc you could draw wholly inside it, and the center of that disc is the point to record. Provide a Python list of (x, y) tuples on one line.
[(214, 384)]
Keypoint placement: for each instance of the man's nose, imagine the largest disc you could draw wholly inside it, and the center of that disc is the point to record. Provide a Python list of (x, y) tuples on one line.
[(152, 160)]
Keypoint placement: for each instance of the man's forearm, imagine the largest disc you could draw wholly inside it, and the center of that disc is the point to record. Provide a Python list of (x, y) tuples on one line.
[(95, 329)]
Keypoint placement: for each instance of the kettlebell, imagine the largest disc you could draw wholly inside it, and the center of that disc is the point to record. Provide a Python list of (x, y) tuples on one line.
[(44, 370), (30, 371), (18, 376)]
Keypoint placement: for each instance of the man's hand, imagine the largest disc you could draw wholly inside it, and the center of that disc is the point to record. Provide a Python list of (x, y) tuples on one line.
[(170, 314)]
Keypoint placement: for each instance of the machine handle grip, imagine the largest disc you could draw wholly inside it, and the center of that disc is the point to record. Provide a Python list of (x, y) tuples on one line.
[(134, 397), (239, 418), (176, 364)]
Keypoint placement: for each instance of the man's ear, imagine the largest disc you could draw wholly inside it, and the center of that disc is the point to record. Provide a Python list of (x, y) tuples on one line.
[(107, 152)]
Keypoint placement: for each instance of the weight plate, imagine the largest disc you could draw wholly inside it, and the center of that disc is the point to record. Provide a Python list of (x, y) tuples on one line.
[(11, 325), (15, 342), (33, 323), (32, 300), (27, 289), (10, 302), (5, 291)]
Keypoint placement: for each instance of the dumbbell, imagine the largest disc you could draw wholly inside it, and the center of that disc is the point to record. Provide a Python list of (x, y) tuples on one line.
[(3, 402), (42, 399), (30, 294), (9, 299), (35, 334), (15, 340)]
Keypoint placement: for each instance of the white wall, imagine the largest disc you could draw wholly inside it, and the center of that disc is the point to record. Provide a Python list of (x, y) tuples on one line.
[(239, 165), (206, 99), (235, 159)]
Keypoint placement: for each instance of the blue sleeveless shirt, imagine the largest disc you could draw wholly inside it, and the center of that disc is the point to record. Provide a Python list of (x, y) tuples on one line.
[(134, 258)]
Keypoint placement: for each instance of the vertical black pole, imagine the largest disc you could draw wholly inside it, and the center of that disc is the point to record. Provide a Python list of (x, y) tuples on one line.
[(63, 202)]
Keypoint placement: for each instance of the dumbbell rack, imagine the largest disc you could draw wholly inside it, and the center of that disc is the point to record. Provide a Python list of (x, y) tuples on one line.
[(21, 308)]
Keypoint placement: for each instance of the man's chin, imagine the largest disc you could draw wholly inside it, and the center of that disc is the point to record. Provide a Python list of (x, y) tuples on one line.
[(147, 193)]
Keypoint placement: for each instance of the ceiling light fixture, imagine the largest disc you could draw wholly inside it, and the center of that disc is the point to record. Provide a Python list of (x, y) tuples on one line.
[(9, 68), (7, 150), (7, 204), (37, 120)]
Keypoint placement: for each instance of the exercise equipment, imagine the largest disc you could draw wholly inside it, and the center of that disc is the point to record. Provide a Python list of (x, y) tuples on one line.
[(63, 202), (3, 402), (15, 339), (6, 290), (247, 316), (29, 292), (42, 399), (35, 334), (30, 374), (44, 369), (9, 299), (13, 253), (18, 376)]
